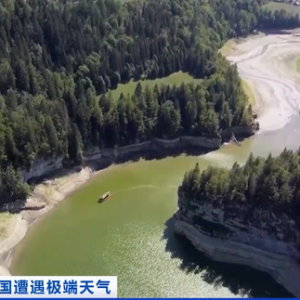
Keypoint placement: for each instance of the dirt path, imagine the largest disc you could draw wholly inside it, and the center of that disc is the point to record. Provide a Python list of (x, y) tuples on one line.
[(267, 62)]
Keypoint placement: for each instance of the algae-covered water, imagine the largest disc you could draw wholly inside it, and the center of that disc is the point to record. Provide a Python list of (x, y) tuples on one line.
[(131, 235)]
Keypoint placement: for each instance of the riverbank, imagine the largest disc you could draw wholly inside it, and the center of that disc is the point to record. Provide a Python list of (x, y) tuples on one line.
[(60, 188), (49, 193), (298, 64), (236, 241), (267, 62), (281, 267)]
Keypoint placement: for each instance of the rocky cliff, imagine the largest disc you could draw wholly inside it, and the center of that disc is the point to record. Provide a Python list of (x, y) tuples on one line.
[(104, 157), (270, 246)]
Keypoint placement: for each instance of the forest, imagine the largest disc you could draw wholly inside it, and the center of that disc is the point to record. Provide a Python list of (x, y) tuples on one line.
[(60, 59), (258, 191)]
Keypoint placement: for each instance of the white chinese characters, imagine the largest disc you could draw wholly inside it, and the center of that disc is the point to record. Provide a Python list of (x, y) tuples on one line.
[(58, 287)]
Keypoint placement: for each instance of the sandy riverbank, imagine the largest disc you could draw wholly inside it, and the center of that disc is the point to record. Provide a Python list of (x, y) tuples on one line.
[(48, 194)]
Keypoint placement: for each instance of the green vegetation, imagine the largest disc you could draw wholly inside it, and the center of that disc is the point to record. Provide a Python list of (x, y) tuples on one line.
[(57, 57), (6, 219), (254, 192), (174, 79), (249, 92), (168, 112), (277, 15), (298, 64), (227, 47), (288, 7)]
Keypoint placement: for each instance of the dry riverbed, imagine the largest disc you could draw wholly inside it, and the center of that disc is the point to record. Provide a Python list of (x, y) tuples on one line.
[(267, 62), (267, 66)]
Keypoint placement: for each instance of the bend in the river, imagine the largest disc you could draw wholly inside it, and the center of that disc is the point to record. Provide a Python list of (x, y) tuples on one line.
[(131, 235)]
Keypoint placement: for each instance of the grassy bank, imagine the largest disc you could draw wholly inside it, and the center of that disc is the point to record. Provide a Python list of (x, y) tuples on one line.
[(227, 47), (248, 92), (6, 224), (176, 78), (298, 64), (290, 8)]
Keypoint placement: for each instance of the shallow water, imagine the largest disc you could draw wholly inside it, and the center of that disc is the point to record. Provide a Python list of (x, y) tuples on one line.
[(131, 235)]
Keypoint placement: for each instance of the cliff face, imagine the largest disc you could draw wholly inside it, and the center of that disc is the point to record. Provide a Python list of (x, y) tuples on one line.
[(244, 243), (108, 156), (42, 167)]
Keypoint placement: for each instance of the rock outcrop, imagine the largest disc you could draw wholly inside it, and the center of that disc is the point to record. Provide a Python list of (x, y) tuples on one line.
[(104, 157), (40, 167), (239, 242)]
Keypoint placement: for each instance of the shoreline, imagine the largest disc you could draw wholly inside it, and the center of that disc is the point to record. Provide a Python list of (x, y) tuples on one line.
[(55, 191), (62, 186), (272, 75), (50, 192), (278, 266)]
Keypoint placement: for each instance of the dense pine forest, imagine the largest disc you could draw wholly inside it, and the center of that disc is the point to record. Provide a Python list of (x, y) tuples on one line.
[(260, 191), (59, 59)]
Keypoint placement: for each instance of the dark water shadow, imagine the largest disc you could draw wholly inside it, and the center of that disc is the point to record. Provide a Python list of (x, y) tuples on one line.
[(238, 279), (147, 155)]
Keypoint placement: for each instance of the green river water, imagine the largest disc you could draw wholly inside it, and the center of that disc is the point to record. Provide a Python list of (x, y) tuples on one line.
[(131, 234)]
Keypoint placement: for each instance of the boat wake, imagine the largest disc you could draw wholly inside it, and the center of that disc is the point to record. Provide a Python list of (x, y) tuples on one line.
[(138, 187)]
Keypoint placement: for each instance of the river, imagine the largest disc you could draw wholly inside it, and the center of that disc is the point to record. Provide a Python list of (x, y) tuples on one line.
[(131, 234)]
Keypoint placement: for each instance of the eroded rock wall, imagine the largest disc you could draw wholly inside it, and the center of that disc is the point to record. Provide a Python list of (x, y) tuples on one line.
[(105, 157), (42, 167), (241, 243)]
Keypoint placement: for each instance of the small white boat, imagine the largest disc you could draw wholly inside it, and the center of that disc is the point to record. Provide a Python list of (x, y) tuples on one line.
[(104, 197)]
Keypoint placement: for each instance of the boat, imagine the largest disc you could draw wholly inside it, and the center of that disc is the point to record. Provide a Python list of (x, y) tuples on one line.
[(104, 197)]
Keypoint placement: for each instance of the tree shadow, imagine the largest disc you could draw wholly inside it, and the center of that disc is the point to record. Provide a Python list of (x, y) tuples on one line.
[(239, 280)]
